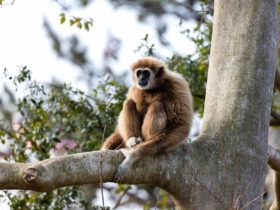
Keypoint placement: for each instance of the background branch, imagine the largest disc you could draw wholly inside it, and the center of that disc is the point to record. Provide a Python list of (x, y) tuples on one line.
[(277, 78), (274, 158)]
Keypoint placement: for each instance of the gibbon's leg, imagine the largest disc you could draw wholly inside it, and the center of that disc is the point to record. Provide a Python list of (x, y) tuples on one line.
[(129, 124), (165, 141), (114, 141), (155, 121)]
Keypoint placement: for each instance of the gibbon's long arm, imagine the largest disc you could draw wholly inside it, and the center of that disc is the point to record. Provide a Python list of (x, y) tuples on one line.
[(129, 121), (128, 131)]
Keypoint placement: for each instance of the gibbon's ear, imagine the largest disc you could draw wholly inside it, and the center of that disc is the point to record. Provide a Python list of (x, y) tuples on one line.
[(160, 71)]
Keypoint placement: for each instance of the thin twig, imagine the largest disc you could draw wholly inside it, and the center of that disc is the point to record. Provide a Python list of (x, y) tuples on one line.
[(121, 197), (239, 198), (7, 4), (101, 172), (252, 201), (60, 87), (157, 197)]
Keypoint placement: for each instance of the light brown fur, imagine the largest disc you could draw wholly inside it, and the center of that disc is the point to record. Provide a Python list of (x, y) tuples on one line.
[(161, 116)]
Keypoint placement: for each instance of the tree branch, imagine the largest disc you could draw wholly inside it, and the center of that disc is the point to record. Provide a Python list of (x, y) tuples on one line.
[(168, 170), (274, 158), (84, 168), (277, 78), (81, 168), (274, 162), (275, 120)]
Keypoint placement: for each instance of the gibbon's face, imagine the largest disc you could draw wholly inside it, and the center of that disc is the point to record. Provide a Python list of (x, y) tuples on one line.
[(145, 78)]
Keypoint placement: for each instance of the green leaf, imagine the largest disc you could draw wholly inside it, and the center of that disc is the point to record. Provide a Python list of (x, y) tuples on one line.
[(79, 25), (78, 20), (72, 22), (62, 18), (86, 25), (33, 101)]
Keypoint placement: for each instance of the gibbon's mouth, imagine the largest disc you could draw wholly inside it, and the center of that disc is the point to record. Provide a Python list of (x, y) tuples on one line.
[(143, 83)]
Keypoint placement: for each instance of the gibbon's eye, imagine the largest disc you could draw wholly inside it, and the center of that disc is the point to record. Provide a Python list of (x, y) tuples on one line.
[(143, 74), (139, 73), (146, 74)]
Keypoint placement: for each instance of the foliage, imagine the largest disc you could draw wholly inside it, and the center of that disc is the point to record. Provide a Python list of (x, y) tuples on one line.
[(57, 199), (78, 21), (53, 114), (146, 47), (195, 67)]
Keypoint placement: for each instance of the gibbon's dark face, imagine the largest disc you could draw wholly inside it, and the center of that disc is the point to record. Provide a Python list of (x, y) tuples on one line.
[(143, 76)]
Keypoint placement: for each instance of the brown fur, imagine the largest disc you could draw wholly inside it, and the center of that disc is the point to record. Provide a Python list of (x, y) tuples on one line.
[(162, 115)]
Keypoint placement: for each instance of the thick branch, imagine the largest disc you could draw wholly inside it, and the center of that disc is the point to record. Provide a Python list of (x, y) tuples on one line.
[(84, 168), (173, 171)]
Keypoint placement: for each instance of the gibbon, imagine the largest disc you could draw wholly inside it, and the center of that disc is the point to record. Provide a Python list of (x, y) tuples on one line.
[(156, 116)]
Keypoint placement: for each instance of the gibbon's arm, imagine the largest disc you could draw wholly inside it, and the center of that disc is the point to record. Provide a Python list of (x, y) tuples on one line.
[(129, 124), (128, 131), (155, 121)]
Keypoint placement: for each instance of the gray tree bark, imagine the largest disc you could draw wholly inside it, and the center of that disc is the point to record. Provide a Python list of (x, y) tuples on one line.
[(238, 98), (225, 167)]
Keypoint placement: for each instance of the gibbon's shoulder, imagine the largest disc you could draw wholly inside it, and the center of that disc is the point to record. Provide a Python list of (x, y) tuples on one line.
[(176, 80), (174, 75), (177, 87), (148, 62)]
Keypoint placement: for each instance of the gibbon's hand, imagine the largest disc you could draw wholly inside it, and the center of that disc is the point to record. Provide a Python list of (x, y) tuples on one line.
[(125, 166), (133, 141)]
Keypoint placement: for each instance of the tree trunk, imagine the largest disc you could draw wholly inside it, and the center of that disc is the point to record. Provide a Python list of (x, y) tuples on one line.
[(237, 108), (225, 168)]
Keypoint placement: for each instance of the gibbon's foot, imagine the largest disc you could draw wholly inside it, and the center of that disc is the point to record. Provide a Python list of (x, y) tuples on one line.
[(133, 141), (126, 152), (103, 149), (125, 165), (122, 170)]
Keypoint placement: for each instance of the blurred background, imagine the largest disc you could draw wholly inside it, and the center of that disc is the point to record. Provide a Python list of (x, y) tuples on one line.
[(65, 73)]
